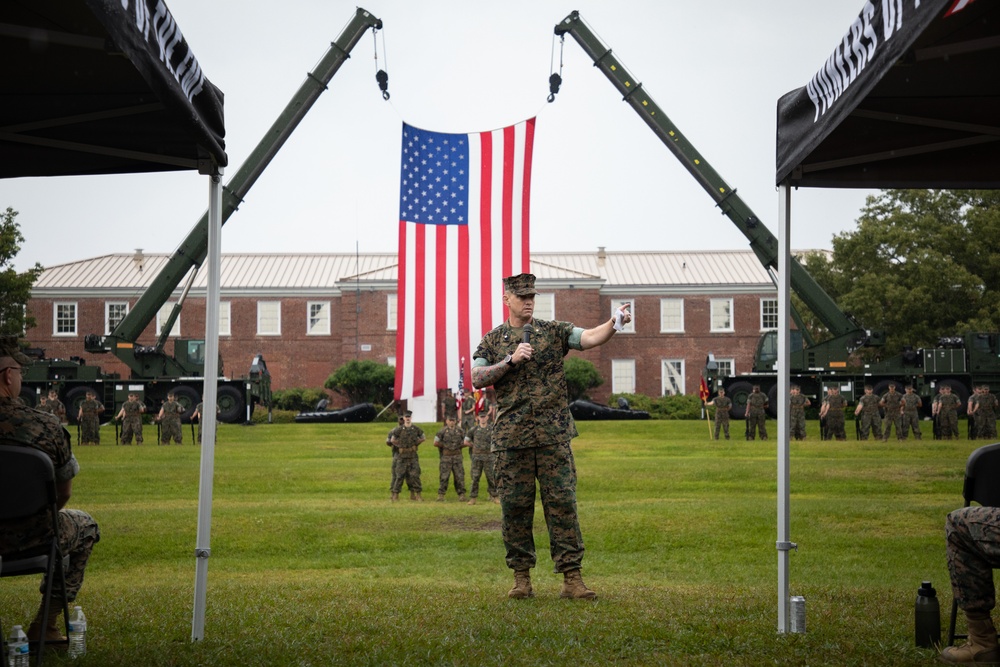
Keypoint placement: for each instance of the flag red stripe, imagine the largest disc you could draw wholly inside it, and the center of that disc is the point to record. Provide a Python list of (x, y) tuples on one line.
[(508, 201), (529, 142), (485, 223), (441, 308), (400, 311), (419, 290), (463, 294)]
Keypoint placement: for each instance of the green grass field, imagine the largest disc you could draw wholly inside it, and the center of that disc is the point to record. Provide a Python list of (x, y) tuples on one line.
[(312, 565)]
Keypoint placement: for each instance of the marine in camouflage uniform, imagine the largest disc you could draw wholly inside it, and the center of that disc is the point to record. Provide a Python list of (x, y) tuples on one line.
[(945, 408), (90, 420), (199, 413), (911, 414), (871, 420), (468, 417), (405, 440), (988, 406), (756, 404), (797, 404), (55, 407), (833, 411), (449, 405), (170, 421), (891, 403), (722, 404), (78, 532), (450, 440), (130, 416), (973, 543), (478, 440), (534, 427)]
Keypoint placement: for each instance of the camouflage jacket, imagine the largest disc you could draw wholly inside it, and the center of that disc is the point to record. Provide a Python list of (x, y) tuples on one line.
[(837, 404), (911, 403), (532, 408), (869, 404), (756, 402), (891, 400), (91, 408), (450, 440), (132, 409), (797, 403), (172, 412), (948, 403), (479, 437), (407, 438)]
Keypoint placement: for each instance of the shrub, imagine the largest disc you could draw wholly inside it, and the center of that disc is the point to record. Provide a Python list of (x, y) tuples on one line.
[(299, 399), (363, 382), (581, 375), (662, 407)]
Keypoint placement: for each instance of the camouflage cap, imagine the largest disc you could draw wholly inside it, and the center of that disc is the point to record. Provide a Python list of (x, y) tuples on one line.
[(9, 347), (408, 413), (522, 284)]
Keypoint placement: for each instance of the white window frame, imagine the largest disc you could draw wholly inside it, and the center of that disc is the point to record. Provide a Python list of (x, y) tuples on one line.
[(277, 317), (225, 318), (74, 319), (108, 305), (391, 312), (161, 316), (732, 367), (545, 307), (712, 304), (623, 376), (664, 328), (629, 327), (391, 361), (678, 390), (322, 327), (763, 307)]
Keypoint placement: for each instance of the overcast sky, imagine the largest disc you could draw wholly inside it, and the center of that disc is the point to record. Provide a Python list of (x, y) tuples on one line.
[(601, 177)]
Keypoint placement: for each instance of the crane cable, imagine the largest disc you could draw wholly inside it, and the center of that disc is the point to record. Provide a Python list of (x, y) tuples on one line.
[(555, 80), (380, 74)]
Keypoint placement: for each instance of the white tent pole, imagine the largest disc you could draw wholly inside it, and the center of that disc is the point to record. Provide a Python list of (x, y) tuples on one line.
[(784, 338), (210, 399)]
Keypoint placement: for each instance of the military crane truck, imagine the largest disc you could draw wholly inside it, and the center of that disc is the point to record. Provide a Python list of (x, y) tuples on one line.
[(152, 370), (960, 362)]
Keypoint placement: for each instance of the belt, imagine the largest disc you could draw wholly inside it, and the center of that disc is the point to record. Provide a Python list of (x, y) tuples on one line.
[(407, 450)]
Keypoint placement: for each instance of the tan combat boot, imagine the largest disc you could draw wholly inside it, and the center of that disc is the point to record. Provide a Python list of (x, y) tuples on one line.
[(573, 587), (52, 631), (440, 498), (472, 501), (394, 497), (413, 496), (522, 585), (419, 497), (981, 647), (462, 498)]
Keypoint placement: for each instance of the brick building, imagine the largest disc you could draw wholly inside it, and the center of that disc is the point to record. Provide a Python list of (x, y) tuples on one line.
[(307, 314)]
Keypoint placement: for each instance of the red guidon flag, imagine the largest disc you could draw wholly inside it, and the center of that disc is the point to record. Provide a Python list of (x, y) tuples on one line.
[(463, 227), (703, 390)]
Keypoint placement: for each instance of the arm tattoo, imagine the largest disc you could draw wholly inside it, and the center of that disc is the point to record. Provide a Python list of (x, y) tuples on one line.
[(484, 376)]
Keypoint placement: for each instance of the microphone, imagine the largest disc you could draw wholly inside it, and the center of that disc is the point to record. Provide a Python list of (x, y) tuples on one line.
[(528, 330)]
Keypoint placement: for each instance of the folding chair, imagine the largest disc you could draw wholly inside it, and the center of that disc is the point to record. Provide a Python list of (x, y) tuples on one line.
[(982, 485), (28, 489)]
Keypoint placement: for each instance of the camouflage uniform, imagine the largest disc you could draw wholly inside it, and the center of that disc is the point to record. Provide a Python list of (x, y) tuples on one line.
[(132, 422), (170, 423), (722, 405), (200, 411), (988, 406), (756, 415), (55, 407), (531, 440), (911, 415), (835, 416), (479, 438), (90, 422), (78, 532), (450, 440), (871, 421), (407, 462), (973, 542), (891, 402), (468, 418), (797, 415), (948, 405), (449, 406)]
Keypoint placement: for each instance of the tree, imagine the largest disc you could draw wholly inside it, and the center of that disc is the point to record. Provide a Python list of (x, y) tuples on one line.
[(15, 288), (363, 382), (921, 264), (581, 375)]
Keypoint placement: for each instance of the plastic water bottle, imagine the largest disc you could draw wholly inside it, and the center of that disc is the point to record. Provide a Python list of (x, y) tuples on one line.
[(927, 617), (17, 648), (77, 633)]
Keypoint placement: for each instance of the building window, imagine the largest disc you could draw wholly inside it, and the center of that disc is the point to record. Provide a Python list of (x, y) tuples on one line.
[(391, 302), (671, 315), (391, 361), (268, 318), (319, 318), (722, 314), (64, 319), (225, 317), (727, 368), (673, 377), (768, 314), (616, 304), (114, 313), (623, 376), (545, 307), (161, 318)]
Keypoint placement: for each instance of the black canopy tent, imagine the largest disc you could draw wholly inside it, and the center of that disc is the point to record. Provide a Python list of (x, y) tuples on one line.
[(910, 98), (92, 87), (107, 87)]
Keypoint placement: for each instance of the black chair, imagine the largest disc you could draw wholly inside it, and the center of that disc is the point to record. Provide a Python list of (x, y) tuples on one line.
[(28, 489), (982, 485)]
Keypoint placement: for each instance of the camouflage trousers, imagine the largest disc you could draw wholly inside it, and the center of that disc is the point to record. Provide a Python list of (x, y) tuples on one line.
[(911, 420), (90, 430), (890, 421), (131, 426), (835, 425), (989, 427), (871, 422), (755, 423), (722, 423), (973, 542), (948, 424), (171, 430), (451, 466), (480, 466), (407, 470), (797, 425), (553, 467)]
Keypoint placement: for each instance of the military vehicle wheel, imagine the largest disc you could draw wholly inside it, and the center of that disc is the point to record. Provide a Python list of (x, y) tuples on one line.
[(232, 407), (188, 397), (737, 393), (74, 397)]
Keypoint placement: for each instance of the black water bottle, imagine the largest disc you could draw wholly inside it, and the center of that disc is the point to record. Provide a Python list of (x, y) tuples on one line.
[(927, 617)]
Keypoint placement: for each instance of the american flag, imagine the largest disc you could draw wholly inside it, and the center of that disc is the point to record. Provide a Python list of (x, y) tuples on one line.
[(463, 227)]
